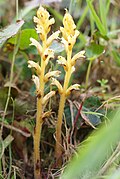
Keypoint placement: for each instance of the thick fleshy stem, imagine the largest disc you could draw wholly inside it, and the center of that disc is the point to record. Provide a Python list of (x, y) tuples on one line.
[(58, 147), (39, 120)]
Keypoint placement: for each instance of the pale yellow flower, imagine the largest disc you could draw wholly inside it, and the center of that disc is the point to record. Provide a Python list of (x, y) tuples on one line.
[(36, 80), (57, 83), (52, 37), (49, 53), (72, 87), (62, 61), (47, 96), (32, 64), (77, 56), (37, 45), (52, 74)]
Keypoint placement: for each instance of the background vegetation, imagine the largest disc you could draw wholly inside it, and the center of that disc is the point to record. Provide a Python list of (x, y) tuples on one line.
[(92, 109)]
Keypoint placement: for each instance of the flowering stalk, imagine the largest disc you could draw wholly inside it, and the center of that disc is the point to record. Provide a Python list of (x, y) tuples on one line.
[(69, 35), (43, 27)]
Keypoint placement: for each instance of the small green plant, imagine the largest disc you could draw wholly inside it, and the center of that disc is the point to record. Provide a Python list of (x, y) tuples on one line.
[(42, 77), (103, 84)]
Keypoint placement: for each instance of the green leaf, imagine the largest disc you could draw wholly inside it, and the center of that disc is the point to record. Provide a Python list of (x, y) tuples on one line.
[(94, 50), (10, 31), (94, 152), (116, 57), (99, 24), (92, 116), (4, 144), (92, 102), (25, 36)]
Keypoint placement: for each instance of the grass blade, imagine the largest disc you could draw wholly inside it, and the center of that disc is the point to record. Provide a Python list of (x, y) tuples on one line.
[(94, 151)]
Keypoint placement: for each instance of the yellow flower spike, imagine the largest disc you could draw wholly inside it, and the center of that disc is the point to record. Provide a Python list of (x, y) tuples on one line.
[(43, 22), (57, 83), (36, 80), (52, 37), (37, 45), (78, 55), (43, 26), (72, 87), (32, 64), (51, 74), (69, 24), (47, 96), (69, 36), (43, 14)]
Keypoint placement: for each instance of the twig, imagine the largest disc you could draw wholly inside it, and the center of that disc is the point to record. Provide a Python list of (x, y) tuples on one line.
[(16, 129)]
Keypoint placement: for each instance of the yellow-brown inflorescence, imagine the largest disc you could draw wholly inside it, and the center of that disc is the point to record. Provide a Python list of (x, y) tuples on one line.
[(69, 36), (44, 23)]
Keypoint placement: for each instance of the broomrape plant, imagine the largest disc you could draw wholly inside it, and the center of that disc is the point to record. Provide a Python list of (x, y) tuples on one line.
[(44, 23), (69, 36)]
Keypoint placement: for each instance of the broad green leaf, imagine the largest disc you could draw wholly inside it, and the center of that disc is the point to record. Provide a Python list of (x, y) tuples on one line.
[(93, 153), (10, 31), (25, 36), (94, 50)]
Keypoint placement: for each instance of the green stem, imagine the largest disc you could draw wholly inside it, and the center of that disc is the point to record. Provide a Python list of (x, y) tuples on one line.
[(88, 74), (16, 47), (17, 41)]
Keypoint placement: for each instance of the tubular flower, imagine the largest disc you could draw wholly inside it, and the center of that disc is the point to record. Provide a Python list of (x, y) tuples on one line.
[(37, 45), (72, 87), (78, 55), (36, 80), (57, 83), (62, 61), (52, 37), (32, 64), (51, 74), (47, 96)]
